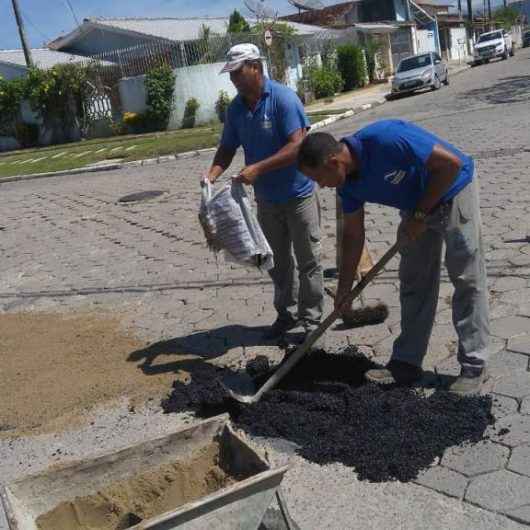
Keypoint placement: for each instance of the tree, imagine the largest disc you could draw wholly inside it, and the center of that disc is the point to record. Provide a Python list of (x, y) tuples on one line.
[(237, 23), (506, 17)]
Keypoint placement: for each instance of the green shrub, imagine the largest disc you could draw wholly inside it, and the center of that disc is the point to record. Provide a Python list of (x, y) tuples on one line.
[(11, 95), (221, 105), (351, 65), (324, 82), (27, 134), (160, 86), (190, 113)]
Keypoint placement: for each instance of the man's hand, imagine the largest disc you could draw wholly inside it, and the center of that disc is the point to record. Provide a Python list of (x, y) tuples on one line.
[(411, 229), (206, 177), (248, 174)]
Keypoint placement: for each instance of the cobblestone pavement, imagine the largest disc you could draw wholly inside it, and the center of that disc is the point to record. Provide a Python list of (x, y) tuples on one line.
[(67, 243)]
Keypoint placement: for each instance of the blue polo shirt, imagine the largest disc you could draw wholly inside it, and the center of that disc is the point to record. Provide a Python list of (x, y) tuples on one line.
[(262, 133), (393, 156)]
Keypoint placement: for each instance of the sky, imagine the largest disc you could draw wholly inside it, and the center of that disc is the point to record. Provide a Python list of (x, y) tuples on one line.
[(47, 19)]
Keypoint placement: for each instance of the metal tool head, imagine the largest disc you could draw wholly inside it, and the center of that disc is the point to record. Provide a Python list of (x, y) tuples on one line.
[(247, 399)]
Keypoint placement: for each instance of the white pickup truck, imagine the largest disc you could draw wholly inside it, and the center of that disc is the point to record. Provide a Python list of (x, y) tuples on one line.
[(493, 44)]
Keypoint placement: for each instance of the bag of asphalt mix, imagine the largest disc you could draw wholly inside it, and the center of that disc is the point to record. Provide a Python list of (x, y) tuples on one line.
[(230, 225)]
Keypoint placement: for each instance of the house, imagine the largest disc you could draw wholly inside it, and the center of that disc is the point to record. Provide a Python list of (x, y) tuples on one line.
[(195, 47), (13, 62), (390, 21), (452, 35)]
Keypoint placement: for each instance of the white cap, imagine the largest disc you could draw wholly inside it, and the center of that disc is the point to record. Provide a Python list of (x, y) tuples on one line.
[(238, 54)]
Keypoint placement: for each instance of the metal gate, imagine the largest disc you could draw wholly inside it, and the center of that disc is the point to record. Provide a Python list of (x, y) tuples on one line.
[(401, 43)]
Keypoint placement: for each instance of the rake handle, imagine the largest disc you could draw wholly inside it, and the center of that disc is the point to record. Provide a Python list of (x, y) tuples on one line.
[(293, 359)]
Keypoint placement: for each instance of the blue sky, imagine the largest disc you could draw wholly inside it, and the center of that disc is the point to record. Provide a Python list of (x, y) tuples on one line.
[(46, 19)]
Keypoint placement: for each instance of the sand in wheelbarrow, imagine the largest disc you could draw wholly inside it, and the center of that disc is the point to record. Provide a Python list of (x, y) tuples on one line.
[(124, 503), (327, 410)]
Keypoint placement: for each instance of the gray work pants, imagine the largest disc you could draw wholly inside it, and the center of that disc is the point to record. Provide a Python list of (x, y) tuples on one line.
[(295, 225), (456, 223)]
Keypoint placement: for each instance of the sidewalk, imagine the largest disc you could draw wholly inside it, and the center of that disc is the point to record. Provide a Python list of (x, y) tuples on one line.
[(371, 95)]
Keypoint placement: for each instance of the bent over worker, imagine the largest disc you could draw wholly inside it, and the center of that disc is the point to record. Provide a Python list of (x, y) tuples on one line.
[(267, 119), (432, 183)]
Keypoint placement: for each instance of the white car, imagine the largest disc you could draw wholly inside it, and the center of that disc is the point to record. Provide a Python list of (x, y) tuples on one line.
[(426, 70), (491, 45)]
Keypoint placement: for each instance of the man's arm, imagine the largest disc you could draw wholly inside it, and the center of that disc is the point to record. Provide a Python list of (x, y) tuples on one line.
[(443, 167), (353, 236), (222, 160), (286, 156)]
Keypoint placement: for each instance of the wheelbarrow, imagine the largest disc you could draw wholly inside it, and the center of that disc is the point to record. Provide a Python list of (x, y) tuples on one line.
[(240, 505)]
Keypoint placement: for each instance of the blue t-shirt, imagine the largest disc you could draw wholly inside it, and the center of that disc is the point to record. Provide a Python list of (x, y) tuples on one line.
[(393, 156), (262, 133)]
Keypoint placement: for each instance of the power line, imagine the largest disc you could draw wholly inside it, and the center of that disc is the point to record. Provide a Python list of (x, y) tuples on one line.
[(34, 26), (68, 3)]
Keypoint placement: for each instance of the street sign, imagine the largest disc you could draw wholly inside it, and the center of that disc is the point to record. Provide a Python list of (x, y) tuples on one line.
[(268, 37)]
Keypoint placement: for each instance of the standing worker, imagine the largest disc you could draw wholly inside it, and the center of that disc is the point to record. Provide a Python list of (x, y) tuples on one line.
[(267, 119), (398, 164)]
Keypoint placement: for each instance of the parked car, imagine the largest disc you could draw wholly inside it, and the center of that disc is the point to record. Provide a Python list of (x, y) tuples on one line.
[(526, 39), (426, 70), (491, 45)]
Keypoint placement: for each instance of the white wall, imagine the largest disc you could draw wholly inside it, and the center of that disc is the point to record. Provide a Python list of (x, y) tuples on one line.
[(517, 36), (201, 82), (426, 41), (458, 38), (132, 94)]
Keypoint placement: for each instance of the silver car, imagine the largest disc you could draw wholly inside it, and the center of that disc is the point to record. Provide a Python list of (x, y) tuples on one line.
[(426, 70)]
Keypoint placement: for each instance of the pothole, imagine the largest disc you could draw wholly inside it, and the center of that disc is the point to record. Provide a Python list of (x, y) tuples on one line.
[(331, 415), (142, 196)]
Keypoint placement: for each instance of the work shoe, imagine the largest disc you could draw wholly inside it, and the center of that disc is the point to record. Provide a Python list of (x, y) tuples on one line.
[(280, 327), (320, 344), (469, 381), (395, 373)]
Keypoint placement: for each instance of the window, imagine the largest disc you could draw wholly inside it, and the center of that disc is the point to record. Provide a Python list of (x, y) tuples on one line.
[(419, 61)]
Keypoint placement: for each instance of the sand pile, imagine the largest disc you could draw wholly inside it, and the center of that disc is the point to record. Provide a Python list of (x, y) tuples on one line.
[(56, 367), (125, 503)]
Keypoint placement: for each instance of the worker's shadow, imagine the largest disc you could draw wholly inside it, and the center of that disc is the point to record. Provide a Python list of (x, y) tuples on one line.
[(191, 352)]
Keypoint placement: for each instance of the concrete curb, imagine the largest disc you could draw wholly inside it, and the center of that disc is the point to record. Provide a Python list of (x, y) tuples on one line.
[(77, 171), (347, 114)]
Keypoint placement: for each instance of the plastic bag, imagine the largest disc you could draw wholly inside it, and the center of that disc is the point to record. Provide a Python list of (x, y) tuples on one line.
[(229, 225)]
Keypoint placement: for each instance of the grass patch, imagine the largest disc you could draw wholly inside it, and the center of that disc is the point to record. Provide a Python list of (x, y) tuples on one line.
[(79, 154)]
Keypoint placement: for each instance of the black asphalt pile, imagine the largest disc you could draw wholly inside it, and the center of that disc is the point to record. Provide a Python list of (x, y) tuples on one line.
[(324, 407)]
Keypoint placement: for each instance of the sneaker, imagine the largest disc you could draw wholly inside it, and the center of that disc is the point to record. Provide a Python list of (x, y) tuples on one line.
[(280, 327), (395, 373), (469, 381)]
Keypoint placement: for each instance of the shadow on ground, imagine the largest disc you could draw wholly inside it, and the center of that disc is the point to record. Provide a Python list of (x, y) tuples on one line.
[(327, 411), (515, 89), (166, 355)]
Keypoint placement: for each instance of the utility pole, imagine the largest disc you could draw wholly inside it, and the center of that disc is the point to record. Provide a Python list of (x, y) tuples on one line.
[(489, 13), (460, 8), (470, 13), (22, 33)]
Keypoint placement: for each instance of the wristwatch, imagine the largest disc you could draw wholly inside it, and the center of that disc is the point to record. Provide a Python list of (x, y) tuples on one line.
[(419, 215)]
